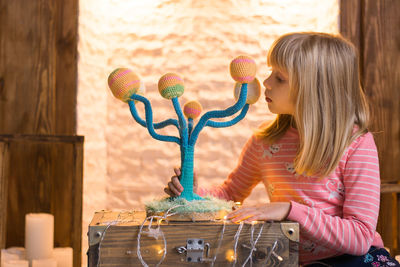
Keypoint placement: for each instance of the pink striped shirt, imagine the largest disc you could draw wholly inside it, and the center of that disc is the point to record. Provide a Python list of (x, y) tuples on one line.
[(337, 214)]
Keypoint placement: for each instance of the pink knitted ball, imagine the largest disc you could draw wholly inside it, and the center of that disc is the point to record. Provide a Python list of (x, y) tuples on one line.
[(123, 83), (253, 91), (192, 109), (243, 69)]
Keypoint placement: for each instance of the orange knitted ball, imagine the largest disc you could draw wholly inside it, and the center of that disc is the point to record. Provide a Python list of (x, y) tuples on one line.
[(253, 91), (170, 85), (192, 109), (243, 69), (123, 83)]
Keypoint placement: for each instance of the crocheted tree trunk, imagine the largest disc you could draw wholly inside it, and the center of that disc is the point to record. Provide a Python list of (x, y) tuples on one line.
[(187, 157)]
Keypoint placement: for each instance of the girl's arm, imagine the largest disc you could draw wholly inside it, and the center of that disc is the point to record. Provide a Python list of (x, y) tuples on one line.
[(243, 178), (354, 232)]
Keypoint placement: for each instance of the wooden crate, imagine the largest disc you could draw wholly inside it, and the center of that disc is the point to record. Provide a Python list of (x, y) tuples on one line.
[(113, 241), (42, 173)]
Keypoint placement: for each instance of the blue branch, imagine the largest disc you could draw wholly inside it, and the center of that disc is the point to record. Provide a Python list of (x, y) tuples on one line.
[(190, 123), (159, 125), (149, 119), (219, 114), (217, 124), (182, 122)]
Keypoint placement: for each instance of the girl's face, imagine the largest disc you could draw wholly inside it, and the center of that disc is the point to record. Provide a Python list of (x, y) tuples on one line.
[(277, 93)]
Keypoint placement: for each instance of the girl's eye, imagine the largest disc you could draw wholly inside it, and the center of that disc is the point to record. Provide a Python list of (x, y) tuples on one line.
[(279, 79)]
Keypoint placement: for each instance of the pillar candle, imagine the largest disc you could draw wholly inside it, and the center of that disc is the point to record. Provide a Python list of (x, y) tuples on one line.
[(63, 256), (44, 263), (15, 263), (12, 253), (39, 236)]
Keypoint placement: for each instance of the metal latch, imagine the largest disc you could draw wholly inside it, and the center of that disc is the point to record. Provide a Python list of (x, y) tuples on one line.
[(194, 250)]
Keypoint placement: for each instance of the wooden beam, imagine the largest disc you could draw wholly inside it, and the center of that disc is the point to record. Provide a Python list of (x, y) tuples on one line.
[(28, 67), (372, 25), (38, 66), (3, 193), (66, 47), (390, 188), (350, 21), (382, 79)]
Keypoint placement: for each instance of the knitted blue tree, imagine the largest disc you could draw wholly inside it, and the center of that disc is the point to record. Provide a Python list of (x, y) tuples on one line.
[(127, 87)]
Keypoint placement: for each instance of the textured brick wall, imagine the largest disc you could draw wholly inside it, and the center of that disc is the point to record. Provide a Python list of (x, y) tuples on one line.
[(124, 166)]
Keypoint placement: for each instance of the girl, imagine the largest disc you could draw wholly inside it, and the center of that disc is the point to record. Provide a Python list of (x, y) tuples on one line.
[(317, 160)]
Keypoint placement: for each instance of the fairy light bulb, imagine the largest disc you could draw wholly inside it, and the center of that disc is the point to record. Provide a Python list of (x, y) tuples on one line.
[(230, 255), (277, 256)]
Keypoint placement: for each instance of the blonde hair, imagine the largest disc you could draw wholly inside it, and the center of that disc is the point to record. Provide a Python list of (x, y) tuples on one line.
[(325, 86)]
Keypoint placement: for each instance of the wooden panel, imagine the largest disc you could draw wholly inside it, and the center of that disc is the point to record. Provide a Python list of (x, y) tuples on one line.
[(38, 66), (382, 80), (3, 192), (66, 66), (349, 21), (372, 25), (113, 241), (382, 83), (45, 175), (29, 61)]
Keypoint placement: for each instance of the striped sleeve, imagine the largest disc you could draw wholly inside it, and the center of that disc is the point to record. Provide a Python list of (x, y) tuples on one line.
[(243, 178), (354, 232)]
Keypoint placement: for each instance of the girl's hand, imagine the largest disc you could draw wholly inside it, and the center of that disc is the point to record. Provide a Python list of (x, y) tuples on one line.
[(175, 188), (275, 211)]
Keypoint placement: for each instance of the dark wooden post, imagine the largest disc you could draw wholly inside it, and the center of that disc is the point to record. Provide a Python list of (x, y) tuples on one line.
[(373, 26), (3, 192), (38, 66)]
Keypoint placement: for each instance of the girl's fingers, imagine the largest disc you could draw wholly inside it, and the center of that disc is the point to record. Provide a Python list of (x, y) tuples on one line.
[(242, 217), (177, 184), (255, 217), (173, 189), (238, 212), (177, 171), (169, 192)]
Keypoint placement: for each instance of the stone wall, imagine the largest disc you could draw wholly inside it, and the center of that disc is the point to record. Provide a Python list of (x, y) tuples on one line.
[(124, 166)]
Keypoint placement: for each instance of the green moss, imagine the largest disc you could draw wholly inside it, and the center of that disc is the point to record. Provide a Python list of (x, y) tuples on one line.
[(208, 204)]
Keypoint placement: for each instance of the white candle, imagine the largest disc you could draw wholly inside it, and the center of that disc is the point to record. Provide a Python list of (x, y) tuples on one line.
[(15, 263), (12, 253), (44, 263), (63, 256), (39, 235)]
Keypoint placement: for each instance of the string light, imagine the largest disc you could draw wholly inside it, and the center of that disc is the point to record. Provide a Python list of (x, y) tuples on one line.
[(156, 232), (253, 243), (236, 238), (219, 242)]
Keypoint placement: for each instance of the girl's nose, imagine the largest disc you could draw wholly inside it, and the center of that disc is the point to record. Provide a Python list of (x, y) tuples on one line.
[(266, 85)]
